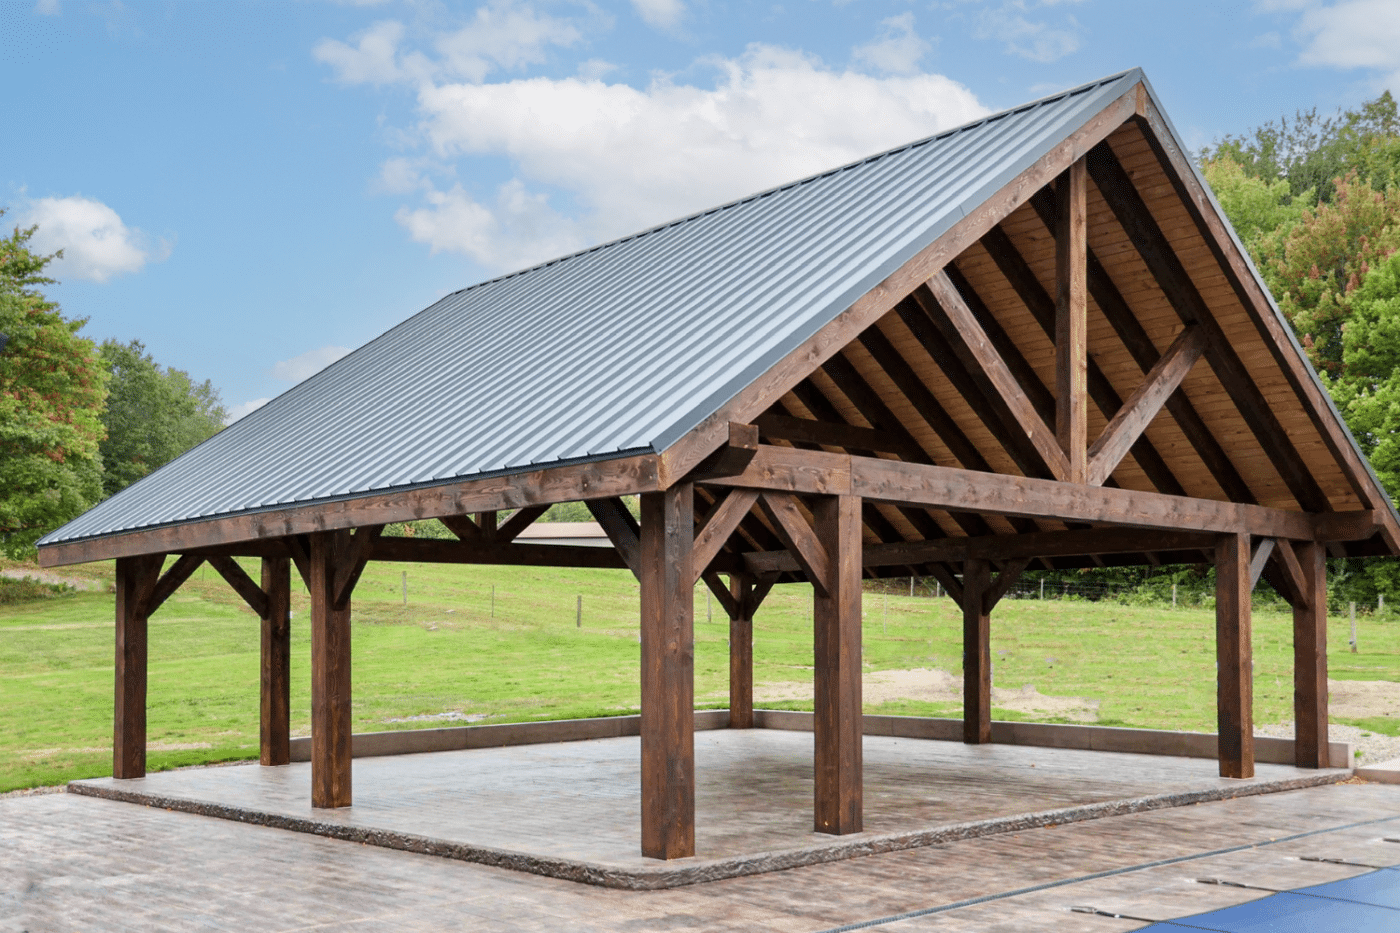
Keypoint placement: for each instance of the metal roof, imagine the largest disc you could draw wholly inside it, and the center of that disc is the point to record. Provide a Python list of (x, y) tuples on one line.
[(620, 349)]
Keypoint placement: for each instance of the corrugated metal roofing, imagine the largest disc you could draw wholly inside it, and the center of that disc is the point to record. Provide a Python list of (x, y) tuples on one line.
[(620, 349)]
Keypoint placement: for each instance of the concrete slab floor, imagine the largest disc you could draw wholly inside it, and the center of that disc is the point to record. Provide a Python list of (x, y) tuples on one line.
[(69, 863), (571, 809)]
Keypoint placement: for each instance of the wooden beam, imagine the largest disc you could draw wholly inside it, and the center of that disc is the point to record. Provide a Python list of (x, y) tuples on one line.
[(299, 550), (172, 580), (720, 590), (1121, 195), (1135, 338), (978, 354), (741, 590), (1006, 578), (757, 397), (1234, 656), (1041, 306), (732, 456), (621, 529), (977, 653), (799, 538), (464, 527), (1142, 406), (723, 520), (1310, 660), (352, 563), (330, 675), (436, 551), (815, 472), (486, 521), (275, 676), (1290, 580), (668, 673), (242, 584), (602, 479), (522, 519), (1263, 550), (1177, 166), (1072, 322), (846, 436), (836, 677), (136, 579), (1077, 543)]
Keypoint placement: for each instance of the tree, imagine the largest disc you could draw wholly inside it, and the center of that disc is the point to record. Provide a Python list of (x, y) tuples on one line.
[(153, 414), (51, 393)]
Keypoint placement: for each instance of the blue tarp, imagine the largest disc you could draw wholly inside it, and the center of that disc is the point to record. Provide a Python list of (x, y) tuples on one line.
[(1367, 903)]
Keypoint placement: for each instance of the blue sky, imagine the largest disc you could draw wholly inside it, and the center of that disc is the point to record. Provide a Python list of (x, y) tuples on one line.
[(252, 188)]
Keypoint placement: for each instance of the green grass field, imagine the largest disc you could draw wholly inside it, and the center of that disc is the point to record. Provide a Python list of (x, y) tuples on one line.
[(446, 652)]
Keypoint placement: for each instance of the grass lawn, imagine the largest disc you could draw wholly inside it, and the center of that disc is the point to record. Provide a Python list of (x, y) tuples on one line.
[(446, 652)]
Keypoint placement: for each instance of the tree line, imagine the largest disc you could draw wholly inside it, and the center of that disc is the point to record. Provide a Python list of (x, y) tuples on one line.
[(78, 420)]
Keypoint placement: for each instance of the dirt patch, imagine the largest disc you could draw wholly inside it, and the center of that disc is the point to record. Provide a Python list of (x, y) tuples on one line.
[(937, 686), (48, 576), (1363, 699)]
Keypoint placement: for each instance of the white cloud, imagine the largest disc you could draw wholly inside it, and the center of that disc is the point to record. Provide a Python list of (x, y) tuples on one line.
[(1036, 41), (663, 14), (501, 35), (238, 411), (48, 7), (96, 243), (1353, 34), (632, 158), (308, 364), (897, 51)]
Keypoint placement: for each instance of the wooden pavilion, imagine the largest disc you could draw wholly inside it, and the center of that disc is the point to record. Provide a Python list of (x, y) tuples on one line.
[(1029, 342)]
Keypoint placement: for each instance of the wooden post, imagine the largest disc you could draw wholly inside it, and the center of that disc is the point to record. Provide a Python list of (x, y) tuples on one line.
[(741, 652), (666, 540), (1310, 661), (977, 653), (1071, 320), (838, 722), (275, 688), (1234, 654), (330, 676), (136, 578)]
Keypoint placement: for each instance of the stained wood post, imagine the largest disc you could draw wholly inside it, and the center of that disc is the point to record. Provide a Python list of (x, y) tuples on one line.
[(1071, 320), (838, 723), (136, 577), (1310, 661), (275, 683), (666, 540), (741, 652), (1234, 655), (330, 677), (977, 653)]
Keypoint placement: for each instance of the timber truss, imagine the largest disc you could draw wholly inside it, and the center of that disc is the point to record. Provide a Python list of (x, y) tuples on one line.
[(1082, 371)]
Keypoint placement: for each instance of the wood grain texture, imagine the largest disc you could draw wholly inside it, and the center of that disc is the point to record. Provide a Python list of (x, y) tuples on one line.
[(596, 480), (357, 554), (979, 356), (977, 653), (1123, 431), (668, 673), (1234, 656), (136, 579), (330, 675), (434, 551), (1310, 660), (621, 529), (817, 472), (805, 545), (723, 521), (763, 392), (848, 437), (1072, 322), (741, 588), (836, 677), (275, 676), (522, 519), (172, 580), (235, 576)]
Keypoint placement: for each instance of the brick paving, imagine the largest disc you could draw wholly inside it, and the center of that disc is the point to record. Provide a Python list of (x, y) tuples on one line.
[(71, 863)]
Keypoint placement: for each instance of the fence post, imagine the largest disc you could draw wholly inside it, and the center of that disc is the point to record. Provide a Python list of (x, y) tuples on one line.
[(1353, 628), (578, 619), (493, 600), (405, 589), (1173, 595), (1042, 587)]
